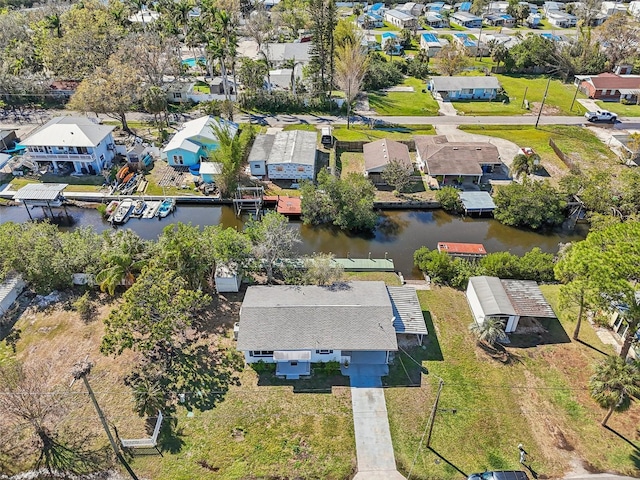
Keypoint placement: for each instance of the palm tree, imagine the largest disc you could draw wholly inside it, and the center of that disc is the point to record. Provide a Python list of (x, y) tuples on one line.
[(148, 396), (613, 384), (121, 269), (490, 331), (524, 164), (52, 22)]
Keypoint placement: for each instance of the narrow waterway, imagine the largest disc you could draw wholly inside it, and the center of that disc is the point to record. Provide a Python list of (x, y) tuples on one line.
[(398, 235)]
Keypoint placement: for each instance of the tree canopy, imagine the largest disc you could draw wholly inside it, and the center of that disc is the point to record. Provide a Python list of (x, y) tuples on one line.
[(531, 204)]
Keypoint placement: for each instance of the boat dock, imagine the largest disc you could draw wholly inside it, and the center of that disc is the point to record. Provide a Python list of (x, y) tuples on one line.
[(462, 250), (366, 264)]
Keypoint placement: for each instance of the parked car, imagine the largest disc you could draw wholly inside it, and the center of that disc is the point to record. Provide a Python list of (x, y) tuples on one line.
[(499, 475), (601, 116)]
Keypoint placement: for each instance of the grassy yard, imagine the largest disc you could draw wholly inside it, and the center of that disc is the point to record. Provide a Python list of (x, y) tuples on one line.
[(359, 132), (414, 103), (86, 183), (350, 162), (539, 399), (577, 141), (620, 109), (261, 428), (558, 100)]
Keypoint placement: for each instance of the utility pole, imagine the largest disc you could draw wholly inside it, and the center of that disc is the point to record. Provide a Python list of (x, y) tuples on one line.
[(432, 419), (81, 370), (544, 97), (575, 95)]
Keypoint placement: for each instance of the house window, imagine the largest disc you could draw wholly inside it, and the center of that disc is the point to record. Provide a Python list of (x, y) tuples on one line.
[(102, 158), (294, 363), (279, 169), (301, 169), (177, 95), (324, 352), (177, 159), (261, 353)]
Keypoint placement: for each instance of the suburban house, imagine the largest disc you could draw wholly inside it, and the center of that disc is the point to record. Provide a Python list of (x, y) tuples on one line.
[(431, 44), (436, 6), (76, 144), (411, 8), (294, 326), (550, 6), (378, 154), (393, 39), (435, 20), (462, 6), (609, 86), (473, 47), (352, 323), (609, 8), (466, 20), (455, 162), (195, 141), (289, 155), (497, 7), (400, 19), (533, 20), (279, 53), (507, 300), (181, 92), (499, 20), (634, 8), (464, 88), (561, 19), (370, 20)]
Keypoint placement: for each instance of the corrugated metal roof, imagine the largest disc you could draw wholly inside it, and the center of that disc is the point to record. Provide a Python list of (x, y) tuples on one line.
[(407, 312), (463, 248), (477, 201), (40, 191), (13, 283), (492, 296), (347, 316), (294, 146), (527, 299)]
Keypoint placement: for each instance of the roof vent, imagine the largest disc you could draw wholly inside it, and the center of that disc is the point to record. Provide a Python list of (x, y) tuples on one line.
[(478, 148), (455, 148)]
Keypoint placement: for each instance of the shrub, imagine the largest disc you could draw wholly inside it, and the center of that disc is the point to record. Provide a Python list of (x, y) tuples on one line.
[(381, 74), (263, 367), (328, 368), (84, 306), (449, 199)]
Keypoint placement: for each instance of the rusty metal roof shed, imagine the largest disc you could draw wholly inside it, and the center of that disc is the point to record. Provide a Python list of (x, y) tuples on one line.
[(527, 299)]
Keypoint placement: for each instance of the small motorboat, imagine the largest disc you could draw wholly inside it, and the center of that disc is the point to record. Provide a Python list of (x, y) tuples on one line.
[(122, 213), (122, 172), (166, 207), (111, 208), (138, 208)]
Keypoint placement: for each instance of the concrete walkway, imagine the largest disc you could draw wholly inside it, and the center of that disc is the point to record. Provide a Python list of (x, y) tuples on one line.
[(446, 108), (374, 449)]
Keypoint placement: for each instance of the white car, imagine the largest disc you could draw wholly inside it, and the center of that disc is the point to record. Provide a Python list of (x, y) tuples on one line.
[(601, 116)]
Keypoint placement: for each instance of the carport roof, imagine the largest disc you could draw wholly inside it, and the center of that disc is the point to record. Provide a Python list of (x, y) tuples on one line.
[(477, 201), (407, 313)]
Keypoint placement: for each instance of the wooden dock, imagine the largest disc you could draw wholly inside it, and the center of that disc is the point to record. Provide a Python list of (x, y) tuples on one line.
[(366, 264)]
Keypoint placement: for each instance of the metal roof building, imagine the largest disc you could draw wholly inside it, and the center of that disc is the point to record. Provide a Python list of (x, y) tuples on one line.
[(407, 313), (491, 297), (477, 202)]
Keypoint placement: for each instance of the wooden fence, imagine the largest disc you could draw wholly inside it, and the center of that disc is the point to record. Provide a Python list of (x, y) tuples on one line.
[(358, 146), (566, 158)]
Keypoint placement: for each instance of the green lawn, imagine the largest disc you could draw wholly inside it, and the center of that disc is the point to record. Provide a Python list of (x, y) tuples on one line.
[(351, 162), (86, 183), (577, 141), (558, 100), (414, 103), (620, 109), (362, 133), (538, 399)]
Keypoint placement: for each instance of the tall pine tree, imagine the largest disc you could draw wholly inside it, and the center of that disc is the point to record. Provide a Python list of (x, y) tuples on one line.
[(324, 18)]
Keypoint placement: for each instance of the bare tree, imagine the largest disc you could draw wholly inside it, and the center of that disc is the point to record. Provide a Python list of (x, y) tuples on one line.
[(397, 174), (351, 66), (322, 269), (35, 420)]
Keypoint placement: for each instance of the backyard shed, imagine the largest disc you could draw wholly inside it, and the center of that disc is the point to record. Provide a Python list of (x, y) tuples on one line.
[(208, 171), (507, 300), (259, 154), (9, 291), (227, 278)]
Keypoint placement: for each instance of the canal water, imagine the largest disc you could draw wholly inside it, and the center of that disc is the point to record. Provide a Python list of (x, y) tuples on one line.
[(398, 235)]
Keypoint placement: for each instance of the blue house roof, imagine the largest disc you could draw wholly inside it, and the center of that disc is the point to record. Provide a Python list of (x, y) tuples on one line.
[(387, 35), (376, 6), (465, 6), (430, 37), (374, 16), (550, 36), (464, 38)]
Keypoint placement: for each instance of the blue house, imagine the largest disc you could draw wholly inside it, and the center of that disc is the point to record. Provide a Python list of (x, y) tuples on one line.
[(195, 141), (466, 20), (464, 88), (391, 37)]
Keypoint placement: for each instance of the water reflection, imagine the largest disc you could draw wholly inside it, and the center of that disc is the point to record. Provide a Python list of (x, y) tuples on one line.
[(398, 235)]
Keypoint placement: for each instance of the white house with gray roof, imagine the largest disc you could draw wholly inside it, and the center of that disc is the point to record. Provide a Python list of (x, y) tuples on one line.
[(464, 88), (76, 143), (294, 326), (287, 155), (507, 300)]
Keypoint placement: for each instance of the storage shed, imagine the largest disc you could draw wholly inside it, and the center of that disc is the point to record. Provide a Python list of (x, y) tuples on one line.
[(508, 300), (227, 278), (9, 291)]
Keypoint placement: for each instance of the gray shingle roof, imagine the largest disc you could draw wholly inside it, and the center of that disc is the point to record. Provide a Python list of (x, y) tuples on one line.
[(349, 316), (261, 148), (379, 153)]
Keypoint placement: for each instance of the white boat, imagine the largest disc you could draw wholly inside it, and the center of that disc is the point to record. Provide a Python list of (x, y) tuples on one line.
[(166, 207), (122, 213), (138, 208)]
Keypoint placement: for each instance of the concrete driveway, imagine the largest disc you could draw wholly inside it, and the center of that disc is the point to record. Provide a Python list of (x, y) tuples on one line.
[(373, 438)]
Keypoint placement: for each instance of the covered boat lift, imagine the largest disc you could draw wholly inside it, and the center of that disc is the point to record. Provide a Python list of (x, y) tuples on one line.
[(45, 195)]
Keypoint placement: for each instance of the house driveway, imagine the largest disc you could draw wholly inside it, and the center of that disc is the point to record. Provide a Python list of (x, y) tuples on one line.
[(376, 460)]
